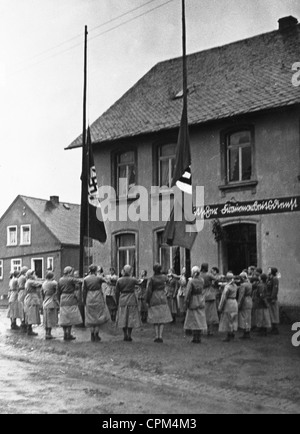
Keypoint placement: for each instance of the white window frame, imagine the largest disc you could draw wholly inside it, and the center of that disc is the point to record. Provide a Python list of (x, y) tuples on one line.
[(1, 269), (22, 235), (43, 266), (9, 244), (48, 264), (12, 267)]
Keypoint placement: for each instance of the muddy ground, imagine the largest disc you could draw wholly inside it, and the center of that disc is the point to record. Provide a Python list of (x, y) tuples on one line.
[(114, 377)]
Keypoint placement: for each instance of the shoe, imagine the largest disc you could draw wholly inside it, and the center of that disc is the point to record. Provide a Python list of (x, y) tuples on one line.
[(15, 327), (49, 338), (97, 338), (31, 333), (71, 338), (160, 341), (156, 340), (92, 337)]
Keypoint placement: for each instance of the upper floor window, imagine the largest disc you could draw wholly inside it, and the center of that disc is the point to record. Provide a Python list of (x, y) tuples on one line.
[(239, 156), (1, 269), (50, 264), (126, 172), (166, 164), (12, 236), (26, 235)]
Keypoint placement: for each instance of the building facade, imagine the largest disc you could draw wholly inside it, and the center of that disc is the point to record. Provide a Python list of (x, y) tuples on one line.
[(38, 234), (244, 116)]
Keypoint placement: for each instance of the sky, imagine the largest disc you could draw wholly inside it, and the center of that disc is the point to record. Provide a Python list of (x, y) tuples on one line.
[(41, 72)]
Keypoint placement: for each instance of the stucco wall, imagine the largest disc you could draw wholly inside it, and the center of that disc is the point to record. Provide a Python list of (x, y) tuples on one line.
[(277, 167)]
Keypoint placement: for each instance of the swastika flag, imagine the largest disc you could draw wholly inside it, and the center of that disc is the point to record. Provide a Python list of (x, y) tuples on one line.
[(92, 226)]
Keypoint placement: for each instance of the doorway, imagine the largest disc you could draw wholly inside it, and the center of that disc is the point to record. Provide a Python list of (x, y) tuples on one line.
[(38, 267), (239, 247)]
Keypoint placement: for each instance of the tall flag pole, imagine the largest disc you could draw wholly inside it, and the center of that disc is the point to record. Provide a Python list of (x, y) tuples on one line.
[(84, 163), (175, 231)]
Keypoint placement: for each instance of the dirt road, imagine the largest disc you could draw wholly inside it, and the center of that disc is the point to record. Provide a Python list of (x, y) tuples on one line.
[(114, 377)]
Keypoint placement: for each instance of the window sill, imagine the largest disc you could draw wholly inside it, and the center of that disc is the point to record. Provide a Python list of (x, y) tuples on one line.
[(247, 185), (11, 245)]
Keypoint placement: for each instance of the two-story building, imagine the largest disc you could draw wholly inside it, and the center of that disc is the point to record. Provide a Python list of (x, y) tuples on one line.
[(39, 234), (244, 117)]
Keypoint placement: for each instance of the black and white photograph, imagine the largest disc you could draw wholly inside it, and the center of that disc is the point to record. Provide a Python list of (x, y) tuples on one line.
[(150, 210)]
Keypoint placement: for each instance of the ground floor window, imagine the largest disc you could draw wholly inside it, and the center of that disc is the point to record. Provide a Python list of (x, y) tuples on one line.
[(239, 247), (16, 265), (126, 252), (50, 264), (167, 256)]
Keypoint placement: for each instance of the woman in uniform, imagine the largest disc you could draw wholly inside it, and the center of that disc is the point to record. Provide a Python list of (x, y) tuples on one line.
[(245, 305), (69, 311), (195, 304), (172, 287), (14, 311), (96, 311), (272, 297), (32, 302), (158, 313), (50, 305), (128, 316), (21, 297), (211, 311), (263, 319), (229, 309)]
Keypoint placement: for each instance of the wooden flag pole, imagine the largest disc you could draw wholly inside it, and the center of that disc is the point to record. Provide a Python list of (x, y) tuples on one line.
[(84, 160), (185, 107)]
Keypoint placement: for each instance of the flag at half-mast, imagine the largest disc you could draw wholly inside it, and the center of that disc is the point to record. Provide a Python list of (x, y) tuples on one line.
[(179, 231), (93, 226)]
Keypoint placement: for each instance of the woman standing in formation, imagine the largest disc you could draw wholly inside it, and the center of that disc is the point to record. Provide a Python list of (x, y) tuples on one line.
[(50, 305), (110, 293), (158, 313), (32, 302), (263, 319), (21, 297), (172, 290), (142, 297), (272, 297), (69, 311), (195, 303), (181, 294), (96, 311), (13, 303), (211, 311), (128, 316), (245, 305), (229, 309)]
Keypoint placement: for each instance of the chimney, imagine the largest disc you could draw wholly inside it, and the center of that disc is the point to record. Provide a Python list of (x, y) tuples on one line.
[(54, 200), (287, 23)]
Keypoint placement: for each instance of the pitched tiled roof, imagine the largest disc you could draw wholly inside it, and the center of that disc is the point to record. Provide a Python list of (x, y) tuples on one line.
[(63, 220), (244, 77)]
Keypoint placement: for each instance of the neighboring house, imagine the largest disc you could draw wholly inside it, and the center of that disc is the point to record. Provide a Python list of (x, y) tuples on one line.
[(39, 234), (244, 116)]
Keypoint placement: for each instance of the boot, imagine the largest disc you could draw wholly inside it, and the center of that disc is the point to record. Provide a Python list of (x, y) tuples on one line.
[(246, 336), (23, 327), (30, 332), (129, 334), (65, 334), (125, 334), (70, 336), (274, 330), (14, 325), (97, 337), (49, 337)]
